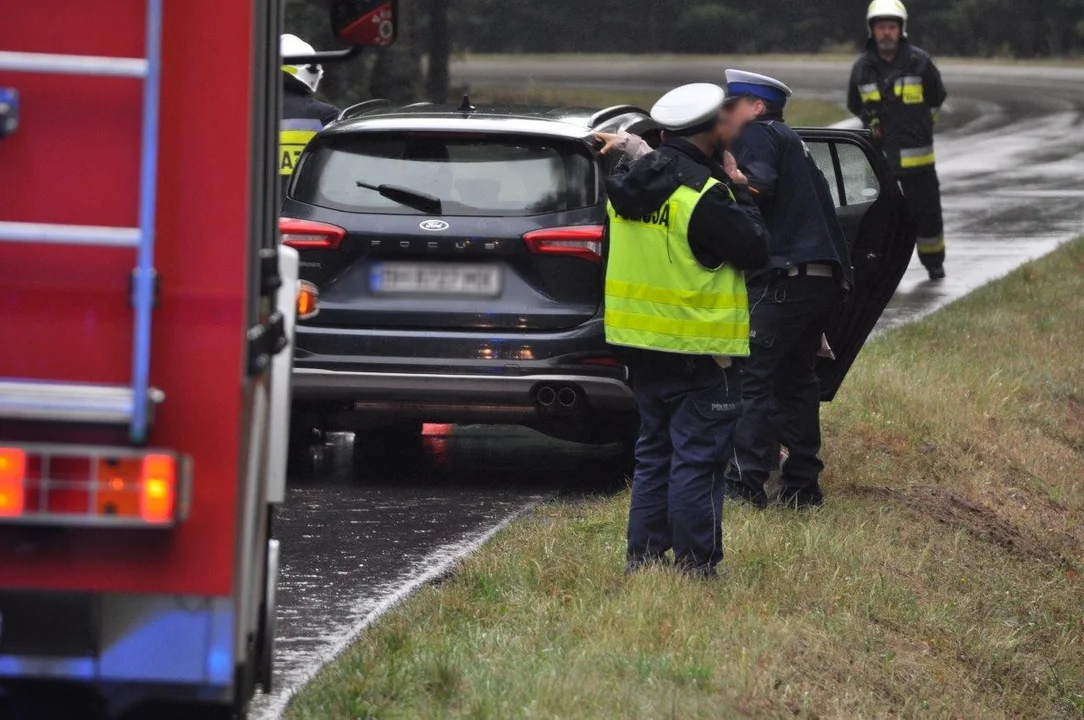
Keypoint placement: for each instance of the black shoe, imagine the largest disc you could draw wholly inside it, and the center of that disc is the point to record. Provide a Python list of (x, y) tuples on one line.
[(740, 493), (800, 499), (937, 273)]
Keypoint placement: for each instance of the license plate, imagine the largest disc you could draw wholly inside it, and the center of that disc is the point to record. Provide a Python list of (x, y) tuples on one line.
[(432, 279)]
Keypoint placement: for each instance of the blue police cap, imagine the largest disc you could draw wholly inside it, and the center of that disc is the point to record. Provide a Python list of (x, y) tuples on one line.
[(746, 84)]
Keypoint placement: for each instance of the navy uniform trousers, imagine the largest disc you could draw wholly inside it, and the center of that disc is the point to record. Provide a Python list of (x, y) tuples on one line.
[(688, 410), (780, 388)]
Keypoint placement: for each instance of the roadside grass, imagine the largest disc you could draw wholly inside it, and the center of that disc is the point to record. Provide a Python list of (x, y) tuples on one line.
[(801, 112), (939, 580)]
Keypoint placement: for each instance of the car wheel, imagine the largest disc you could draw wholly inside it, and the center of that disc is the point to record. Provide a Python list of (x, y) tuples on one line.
[(306, 449)]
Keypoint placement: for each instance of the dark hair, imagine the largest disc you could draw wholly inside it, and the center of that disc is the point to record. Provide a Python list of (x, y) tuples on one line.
[(772, 109)]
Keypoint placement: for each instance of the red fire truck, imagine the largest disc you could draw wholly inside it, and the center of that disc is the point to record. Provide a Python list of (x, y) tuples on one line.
[(145, 306)]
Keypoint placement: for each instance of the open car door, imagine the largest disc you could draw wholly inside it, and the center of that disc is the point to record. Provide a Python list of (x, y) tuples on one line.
[(872, 210)]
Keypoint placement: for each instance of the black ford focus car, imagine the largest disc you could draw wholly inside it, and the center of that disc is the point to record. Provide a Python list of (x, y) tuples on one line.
[(456, 254)]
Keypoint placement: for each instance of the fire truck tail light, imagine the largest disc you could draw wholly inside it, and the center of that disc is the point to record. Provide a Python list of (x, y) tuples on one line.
[(12, 482), (156, 492), (93, 486)]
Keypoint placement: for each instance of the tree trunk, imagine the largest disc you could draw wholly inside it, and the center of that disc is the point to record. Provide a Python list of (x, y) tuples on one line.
[(440, 50)]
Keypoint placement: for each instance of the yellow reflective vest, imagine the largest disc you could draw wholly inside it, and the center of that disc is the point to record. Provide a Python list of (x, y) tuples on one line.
[(294, 135), (659, 297)]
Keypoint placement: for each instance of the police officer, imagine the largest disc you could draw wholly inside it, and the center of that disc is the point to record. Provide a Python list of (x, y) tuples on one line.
[(677, 309), (792, 296), (302, 114), (897, 91)]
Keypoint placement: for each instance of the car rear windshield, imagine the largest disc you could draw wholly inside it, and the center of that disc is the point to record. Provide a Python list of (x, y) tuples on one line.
[(490, 175)]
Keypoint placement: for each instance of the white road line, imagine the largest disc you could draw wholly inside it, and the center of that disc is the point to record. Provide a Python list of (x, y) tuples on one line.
[(434, 566)]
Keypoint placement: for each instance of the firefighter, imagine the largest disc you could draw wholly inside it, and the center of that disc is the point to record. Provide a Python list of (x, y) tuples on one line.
[(897, 92), (792, 296), (302, 114), (677, 311)]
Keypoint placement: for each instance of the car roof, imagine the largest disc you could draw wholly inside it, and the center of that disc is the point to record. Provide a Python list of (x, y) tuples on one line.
[(571, 123)]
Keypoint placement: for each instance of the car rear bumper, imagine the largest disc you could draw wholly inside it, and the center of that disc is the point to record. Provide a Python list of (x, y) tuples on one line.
[(343, 377), (464, 396)]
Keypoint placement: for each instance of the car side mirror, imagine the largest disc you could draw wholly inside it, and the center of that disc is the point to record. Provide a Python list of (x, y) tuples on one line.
[(365, 23)]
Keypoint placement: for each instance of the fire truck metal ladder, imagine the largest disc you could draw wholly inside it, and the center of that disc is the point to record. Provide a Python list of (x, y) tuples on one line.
[(83, 402)]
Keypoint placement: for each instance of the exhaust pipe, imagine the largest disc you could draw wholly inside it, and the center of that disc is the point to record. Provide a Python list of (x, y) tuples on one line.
[(567, 397), (546, 396)]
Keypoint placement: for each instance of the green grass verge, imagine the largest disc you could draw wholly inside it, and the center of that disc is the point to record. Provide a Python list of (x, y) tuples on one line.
[(939, 580), (801, 112)]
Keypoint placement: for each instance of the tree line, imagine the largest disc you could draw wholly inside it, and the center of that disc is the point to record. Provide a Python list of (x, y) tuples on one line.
[(1011, 28), (431, 31)]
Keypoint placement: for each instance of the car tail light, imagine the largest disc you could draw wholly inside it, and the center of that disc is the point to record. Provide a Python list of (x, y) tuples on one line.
[(582, 241), (308, 300), (603, 360), (309, 235), (12, 482)]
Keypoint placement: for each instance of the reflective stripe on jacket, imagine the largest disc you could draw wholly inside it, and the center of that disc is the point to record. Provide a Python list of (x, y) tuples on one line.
[(294, 135), (302, 117), (903, 98), (658, 297)]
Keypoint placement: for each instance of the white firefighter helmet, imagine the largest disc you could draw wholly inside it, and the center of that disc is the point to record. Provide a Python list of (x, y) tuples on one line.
[(887, 10), (309, 74)]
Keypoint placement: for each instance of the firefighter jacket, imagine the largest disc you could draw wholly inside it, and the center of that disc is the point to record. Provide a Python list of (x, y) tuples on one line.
[(302, 117), (899, 102)]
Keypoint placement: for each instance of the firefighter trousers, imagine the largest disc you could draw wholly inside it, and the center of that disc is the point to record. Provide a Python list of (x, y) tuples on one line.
[(688, 409), (923, 192)]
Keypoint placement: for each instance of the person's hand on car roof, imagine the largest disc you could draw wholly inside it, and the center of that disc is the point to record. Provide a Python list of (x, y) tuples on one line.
[(611, 141)]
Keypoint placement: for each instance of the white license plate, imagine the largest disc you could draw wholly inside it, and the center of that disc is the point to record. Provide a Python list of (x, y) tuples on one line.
[(433, 279)]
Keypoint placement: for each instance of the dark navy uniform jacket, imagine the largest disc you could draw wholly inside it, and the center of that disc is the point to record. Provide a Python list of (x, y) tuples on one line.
[(725, 227), (300, 104), (793, 197), (302, 117)]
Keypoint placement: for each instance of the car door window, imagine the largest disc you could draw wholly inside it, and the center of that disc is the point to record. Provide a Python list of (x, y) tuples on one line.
[(851, 178), (822, 155), (860, 183)]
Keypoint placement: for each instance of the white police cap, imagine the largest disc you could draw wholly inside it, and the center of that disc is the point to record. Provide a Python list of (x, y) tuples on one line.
[(746, 84), (688, 106)]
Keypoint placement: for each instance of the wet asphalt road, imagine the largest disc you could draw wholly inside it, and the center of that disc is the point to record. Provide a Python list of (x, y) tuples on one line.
[(363, 524), (355, 532)]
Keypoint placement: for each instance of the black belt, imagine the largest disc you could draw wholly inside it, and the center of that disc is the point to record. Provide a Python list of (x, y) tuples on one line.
[(812, 270)]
